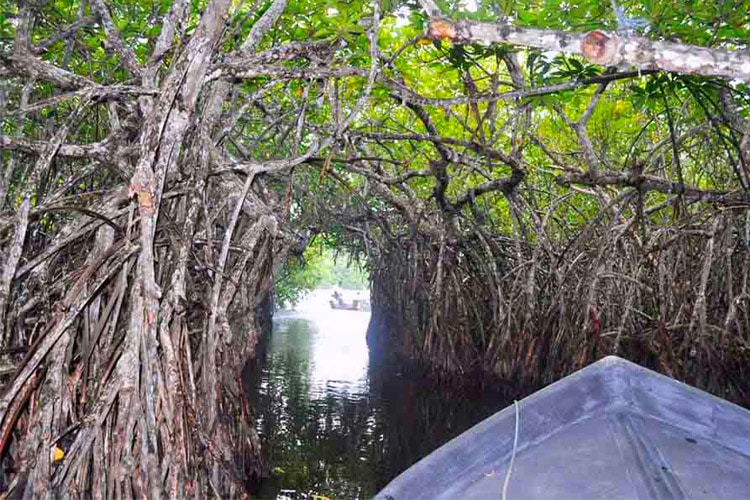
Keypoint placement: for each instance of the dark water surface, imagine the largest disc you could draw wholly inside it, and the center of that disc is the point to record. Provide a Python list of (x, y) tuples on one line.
[(336, 424)]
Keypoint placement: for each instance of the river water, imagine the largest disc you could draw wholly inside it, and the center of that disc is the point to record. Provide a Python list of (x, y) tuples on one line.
[(335, 424)]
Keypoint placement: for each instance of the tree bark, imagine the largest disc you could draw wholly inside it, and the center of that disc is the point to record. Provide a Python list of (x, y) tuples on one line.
[(605, 49)]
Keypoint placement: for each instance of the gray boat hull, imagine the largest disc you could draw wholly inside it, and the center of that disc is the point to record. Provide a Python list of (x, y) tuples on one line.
[(611, 430)]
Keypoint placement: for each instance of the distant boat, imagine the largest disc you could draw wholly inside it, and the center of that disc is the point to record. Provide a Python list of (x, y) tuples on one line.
[(611, 430), (349, 300)]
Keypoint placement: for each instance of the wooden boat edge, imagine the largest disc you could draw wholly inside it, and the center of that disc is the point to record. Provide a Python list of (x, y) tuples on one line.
[(624, 387)]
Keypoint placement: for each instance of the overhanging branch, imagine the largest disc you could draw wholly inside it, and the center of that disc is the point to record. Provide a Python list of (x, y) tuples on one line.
[(505, 186), (652, 183), (602, 48)]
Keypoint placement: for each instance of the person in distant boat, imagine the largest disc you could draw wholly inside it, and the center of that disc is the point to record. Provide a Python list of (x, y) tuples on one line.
[(336, 292)]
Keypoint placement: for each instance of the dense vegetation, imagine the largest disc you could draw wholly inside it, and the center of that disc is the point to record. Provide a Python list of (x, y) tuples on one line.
[(527, 196)]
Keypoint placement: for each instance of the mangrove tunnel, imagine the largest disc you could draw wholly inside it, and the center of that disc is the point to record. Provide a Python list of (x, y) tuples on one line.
[(531, 185)]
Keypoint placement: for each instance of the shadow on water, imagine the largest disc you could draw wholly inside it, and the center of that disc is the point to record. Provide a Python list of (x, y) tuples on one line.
[(334, 422)]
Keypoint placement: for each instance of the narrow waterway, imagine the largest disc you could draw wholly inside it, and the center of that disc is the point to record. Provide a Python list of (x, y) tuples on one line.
[(335, 424)]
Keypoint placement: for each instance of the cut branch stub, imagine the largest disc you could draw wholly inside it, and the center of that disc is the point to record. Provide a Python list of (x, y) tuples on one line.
[(599, 48), (441, 29), (446, 30), (142, 186)]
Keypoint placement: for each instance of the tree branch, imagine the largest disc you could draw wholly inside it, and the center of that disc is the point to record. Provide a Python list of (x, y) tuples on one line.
[(602, 48), (261, 27), (170, 21), (505, 186), (652, 183), (26, 65), (71, 30), (99, 150), (474, 146), (97, 94), (114, 39)]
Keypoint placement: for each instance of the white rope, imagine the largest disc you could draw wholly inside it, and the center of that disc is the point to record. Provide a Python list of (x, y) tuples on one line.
[(513, 455)]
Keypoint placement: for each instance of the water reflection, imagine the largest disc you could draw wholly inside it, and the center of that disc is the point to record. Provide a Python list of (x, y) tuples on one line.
[(333, 424)]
